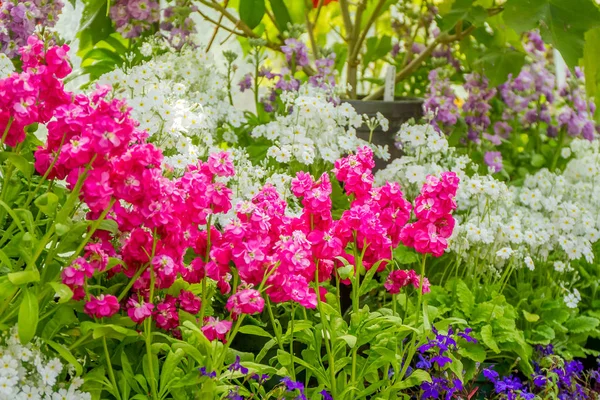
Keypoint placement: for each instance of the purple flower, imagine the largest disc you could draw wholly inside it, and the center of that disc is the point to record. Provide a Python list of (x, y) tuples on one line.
[(234, 395), (493, 159), (441, 99), (246, 82), (466, 335), (295, 51), (260, 378), (203, 372), (326, 395), (441, 360), (292, 386), (539, 380), (236, 366)]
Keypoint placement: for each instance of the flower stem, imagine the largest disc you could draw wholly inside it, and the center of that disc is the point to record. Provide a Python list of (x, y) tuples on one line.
[(111, 373)]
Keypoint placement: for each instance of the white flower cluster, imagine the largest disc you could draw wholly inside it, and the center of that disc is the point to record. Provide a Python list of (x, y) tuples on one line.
[(6, 66), (25, 373), (550, 221), (314, 129), (180, 99)]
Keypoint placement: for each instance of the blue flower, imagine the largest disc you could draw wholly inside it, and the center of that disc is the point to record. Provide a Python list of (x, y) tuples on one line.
[(234, 395), (293, 385), (466, 335), (260, 378), (326, 395)]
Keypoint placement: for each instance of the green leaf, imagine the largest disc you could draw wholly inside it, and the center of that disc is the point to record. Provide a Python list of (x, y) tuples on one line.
[(497, 65), (487, 336), (473, 351), (252, 12), (465, 297), (542, 334), (62, 291), (168, 368), (530, 317), (591, 62), (282, 15), (24, 277), (538, 160), (562, 23), (20, 162), (582, 324), (66, 354), (405, 255), (47, 203), (254, 330), (416, 378), (109, 225), (28, 316), (349, 339)]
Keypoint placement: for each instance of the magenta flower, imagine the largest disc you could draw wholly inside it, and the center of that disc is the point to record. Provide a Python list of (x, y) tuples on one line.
[(216, 329), (138, 311), (247, 301), (189, 302), (102, 306)]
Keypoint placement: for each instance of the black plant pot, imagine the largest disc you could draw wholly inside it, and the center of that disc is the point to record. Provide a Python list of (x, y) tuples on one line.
[(397, 112)]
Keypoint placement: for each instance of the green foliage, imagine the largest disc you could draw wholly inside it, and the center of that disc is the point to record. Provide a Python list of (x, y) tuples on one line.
[(252, 12)]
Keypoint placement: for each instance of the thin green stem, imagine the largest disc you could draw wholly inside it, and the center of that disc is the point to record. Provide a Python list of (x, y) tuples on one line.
[(326, 332), (111, 373), (204, 282)]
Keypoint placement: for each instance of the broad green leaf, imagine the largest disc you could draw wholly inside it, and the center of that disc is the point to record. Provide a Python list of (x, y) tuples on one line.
[(281, 13), (538, 160), (168, 368), (47, 203), (497, 65), (405, 255), (542, 334), (465, 297), (254, 330), (252, 12), (530, 317), (591, 62), (62, 291), (349, 339), (28, 316), (24, 277), (414, 379), (582, 324), (20, 162), (473, 351), (487, 336), (562, 23)]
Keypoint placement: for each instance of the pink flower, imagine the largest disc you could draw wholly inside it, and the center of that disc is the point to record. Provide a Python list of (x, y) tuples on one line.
[(137, 311), (220, 164), (215, 329), (77, 272), (102, 306), (188, 302), (247, 301), (302, 183), (166, 316), (396, 280)]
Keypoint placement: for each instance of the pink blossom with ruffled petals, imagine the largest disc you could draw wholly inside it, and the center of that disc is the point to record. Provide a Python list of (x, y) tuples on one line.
[(220, 164), (246, 301), (216, 329), (189, 302), (102, 306), (77, 272), (138, 311)]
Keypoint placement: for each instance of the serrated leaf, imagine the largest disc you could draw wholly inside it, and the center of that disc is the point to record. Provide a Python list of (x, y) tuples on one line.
[(582, 324), (466, 299), (473, 351), (562, 23), (487, 336)]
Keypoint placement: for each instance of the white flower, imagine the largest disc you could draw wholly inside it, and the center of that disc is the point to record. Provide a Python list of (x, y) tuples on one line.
[(572, 299), (529, 263), (565, 152), (146, 49), (560, 266), (415, 174), (504, 253)]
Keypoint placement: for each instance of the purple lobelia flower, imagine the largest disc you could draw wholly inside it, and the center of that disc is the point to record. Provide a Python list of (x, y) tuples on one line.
[(295, 52), (236, 366)]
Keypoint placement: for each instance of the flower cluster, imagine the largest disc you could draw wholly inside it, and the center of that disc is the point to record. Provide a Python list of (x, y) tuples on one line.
[(32, 95), (313, 129), (18, 20), (26, 373), (434, 357), (549, 220), (441, 100), (477, 105), (553, 376), (399, 279), (131, 18), (433, 209)]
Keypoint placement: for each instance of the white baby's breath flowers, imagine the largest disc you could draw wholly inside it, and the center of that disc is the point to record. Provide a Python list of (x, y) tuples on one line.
[(314, 129), (26, 373)]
